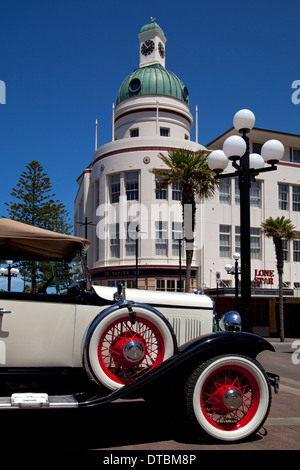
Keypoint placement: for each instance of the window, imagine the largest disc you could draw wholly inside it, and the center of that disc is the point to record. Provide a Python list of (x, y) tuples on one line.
[(164, 132), (224, 240), (237, 195), (96, 193), (176, 236), (255, 242), (134, 132), (296, 248), (176, 192), (114, 241), (224, 191), (161, 236), (128, 283), (256, 147), (255, 251), (171, 285), (131, 235), (255, 192), (115, 188), (132, 186), (162, 193), (285, 249), (237, 240), (296, 198), (295, 155), (282, 196), (160, 284)]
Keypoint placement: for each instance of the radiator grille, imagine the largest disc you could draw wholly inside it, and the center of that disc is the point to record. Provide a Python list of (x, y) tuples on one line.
[(185, 328)]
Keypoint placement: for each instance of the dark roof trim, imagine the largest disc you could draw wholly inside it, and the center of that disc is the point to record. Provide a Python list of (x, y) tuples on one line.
[(255, 129)]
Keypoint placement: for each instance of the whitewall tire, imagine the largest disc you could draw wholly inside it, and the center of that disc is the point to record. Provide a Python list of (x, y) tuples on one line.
[(120, 350), (229, 397)]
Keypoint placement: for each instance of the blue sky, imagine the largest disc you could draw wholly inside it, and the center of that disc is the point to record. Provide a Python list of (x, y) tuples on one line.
[(64, 61)]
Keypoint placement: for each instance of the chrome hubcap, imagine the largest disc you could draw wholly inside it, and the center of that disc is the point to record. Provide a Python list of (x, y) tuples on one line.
[(232, 399), (133, 351)]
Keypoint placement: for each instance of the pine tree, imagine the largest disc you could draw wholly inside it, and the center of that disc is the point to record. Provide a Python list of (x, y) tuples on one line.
[(36, 204)]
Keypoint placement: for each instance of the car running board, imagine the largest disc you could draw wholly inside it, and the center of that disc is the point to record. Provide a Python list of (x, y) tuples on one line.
[(37, 400)]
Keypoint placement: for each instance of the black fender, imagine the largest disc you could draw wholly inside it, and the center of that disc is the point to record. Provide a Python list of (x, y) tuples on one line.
[(173, 373), (176, 370), (224, 342)]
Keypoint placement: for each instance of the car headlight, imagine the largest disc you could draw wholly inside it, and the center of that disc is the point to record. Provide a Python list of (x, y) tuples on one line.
[(231, 321)]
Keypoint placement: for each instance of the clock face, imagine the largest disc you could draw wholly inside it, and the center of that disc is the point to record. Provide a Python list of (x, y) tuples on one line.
[(161, 50), (147, 47)]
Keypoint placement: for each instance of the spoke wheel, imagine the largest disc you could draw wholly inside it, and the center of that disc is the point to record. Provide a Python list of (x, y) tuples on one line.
[(229, 397), (127, 350), (121, 349)]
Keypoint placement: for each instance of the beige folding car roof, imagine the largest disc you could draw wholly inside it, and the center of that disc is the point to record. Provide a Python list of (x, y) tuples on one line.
[(19, 241)]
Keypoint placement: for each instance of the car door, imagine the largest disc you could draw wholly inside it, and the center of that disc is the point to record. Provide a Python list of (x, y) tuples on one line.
[(36, 330)]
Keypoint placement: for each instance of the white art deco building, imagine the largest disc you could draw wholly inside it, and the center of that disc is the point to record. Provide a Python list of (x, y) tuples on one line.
[(117, 191), (117, 200)]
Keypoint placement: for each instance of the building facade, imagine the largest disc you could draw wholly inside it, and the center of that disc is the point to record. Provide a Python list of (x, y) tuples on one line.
[(272, 194), (136, 232)]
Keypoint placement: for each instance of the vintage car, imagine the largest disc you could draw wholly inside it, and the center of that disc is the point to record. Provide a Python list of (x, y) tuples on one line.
[(80, 345)]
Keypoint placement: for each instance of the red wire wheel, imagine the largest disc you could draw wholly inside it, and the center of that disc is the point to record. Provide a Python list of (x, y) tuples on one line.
[(229, 396), (128, 349)]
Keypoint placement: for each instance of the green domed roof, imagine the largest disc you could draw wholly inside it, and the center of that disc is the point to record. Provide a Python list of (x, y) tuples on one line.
[(151, 27), (152, 80)]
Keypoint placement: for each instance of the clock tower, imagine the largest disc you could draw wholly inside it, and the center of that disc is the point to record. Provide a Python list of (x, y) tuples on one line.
[(152, 44)]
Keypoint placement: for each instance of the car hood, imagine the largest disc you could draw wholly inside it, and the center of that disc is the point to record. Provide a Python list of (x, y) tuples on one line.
[(158, 298)]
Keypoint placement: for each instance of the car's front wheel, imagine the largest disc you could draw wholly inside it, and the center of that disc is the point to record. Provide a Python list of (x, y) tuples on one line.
[(229, 397)]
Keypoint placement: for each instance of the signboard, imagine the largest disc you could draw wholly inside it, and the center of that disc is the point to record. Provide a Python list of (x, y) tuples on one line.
[(264, 277)]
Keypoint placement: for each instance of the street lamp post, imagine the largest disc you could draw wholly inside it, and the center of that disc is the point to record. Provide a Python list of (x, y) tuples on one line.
[(85, 225), (9, 272), (247, 166), (180, 240), (234, 270)]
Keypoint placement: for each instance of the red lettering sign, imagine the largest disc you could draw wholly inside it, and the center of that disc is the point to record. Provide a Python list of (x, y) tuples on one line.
[(264, 276)]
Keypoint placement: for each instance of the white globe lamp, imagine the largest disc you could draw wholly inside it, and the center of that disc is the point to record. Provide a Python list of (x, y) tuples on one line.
[(244, 120), (234, 147), (217, 161), (256, 161), (272, 151)]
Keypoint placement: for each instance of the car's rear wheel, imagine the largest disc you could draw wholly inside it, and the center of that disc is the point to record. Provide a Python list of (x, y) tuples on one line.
[(123, 347), (229, 397)]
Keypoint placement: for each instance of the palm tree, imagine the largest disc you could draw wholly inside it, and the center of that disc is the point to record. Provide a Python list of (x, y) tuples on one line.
[(279, 229), (190, 170)]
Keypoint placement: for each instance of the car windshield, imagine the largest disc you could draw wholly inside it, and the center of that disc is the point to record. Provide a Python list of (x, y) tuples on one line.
[(51, 277), (76, 269)]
